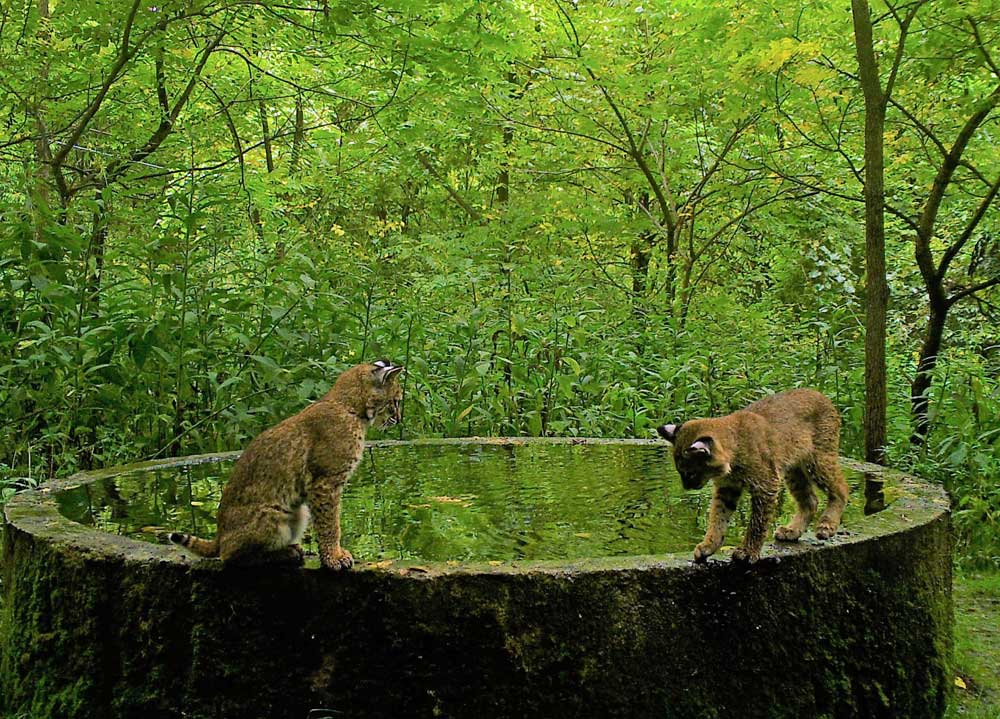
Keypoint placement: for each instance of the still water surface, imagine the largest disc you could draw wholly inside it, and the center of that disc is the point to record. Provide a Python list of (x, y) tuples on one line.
[(457, 502)]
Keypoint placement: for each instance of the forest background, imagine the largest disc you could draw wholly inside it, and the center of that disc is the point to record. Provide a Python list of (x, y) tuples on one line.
[(564, 218)]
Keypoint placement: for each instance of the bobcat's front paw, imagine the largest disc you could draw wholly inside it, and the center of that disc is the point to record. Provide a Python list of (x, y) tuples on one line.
[(825, 530), (745, 556), (338, 559), (702, 552), (787, 534)]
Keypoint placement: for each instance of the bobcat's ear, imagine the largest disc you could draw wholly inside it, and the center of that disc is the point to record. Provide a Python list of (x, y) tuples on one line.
[(700, 448), (385, 370), (669, 431)]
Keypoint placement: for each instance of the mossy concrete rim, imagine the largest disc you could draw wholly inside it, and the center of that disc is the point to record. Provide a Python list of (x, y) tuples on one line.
[(98, 626), (35, 512)]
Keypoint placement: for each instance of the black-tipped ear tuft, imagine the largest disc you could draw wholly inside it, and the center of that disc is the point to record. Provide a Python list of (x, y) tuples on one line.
[(669, 431), (385, 370)]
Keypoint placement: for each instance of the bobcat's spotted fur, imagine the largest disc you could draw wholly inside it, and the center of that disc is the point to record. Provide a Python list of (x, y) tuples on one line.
[(299, 468)]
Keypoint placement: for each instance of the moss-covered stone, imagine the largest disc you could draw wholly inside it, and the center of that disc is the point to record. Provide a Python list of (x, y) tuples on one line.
[(101, 626)]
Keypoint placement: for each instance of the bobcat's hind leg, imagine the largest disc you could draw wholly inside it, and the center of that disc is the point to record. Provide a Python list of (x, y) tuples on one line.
[(801, 489), (292, 554), (255, 556), (267, 535), (831, 479)]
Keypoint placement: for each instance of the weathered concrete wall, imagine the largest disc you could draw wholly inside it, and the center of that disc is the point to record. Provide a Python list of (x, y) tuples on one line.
[(99, 626)]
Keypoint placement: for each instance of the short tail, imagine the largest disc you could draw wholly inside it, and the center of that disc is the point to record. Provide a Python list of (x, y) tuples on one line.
[(195, 545)]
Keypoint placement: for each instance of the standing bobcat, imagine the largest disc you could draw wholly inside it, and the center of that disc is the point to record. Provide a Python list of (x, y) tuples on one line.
[(791, 436), (298, 467)]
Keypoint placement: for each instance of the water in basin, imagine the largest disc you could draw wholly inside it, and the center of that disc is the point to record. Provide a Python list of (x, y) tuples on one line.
[(461, 502)]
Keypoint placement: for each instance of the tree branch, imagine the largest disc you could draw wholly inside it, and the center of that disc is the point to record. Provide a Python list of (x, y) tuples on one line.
[(452, 192), (982, 47), (970, 227), (118, 168), (124, 55), (544, 128), (961, 294), (943, 178), (904, 27)]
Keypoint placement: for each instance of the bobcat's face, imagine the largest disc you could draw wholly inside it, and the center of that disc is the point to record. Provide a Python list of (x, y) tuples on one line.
[(698, 454), (386, 396), (386, 403)]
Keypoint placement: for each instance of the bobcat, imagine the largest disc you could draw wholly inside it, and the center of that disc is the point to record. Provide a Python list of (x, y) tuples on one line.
[(298, 467), (791, 436)]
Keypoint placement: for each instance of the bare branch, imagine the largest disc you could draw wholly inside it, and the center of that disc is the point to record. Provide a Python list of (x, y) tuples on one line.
[(116, 169), (559, 130), (603, 268)]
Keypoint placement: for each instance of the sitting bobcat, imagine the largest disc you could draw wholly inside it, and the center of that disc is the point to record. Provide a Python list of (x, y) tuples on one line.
[(298, 467), (791, 436)]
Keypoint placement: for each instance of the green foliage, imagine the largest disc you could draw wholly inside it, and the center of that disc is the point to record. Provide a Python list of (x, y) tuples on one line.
[(964, 454), (977, 646)]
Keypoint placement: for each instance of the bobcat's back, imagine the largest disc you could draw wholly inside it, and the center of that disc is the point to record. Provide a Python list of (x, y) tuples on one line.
[(802, 420)]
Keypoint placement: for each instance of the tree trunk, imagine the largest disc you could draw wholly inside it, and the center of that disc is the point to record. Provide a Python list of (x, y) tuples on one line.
[(639, 255), (265, 131), (876, 286), (95, 253), (927, 361)]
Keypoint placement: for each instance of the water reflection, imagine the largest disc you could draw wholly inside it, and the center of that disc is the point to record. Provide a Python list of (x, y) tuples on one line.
[(874, 493)]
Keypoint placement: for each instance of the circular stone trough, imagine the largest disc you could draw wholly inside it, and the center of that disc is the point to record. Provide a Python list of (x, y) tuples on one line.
[(99, 625)]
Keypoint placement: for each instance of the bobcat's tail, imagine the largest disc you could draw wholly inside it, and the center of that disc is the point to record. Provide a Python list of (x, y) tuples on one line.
[(195, 545)]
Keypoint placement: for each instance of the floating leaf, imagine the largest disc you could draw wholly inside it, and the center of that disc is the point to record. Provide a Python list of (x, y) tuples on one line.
[(960, 683)]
